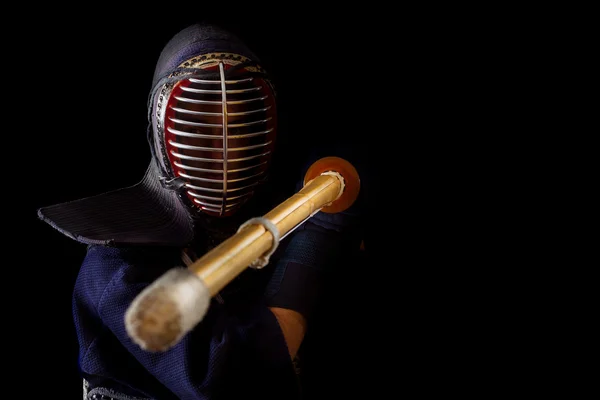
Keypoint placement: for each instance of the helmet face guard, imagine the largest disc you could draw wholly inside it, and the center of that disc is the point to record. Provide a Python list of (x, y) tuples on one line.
[(214, 127)]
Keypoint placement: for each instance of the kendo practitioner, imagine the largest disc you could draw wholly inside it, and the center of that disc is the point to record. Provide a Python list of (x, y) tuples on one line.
[(212, 133)]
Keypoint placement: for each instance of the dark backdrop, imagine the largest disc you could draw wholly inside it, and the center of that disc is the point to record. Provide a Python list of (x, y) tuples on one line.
[(412, 92), (82, 105)]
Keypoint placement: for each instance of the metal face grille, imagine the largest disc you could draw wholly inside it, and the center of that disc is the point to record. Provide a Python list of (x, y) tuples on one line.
[(219, 135)]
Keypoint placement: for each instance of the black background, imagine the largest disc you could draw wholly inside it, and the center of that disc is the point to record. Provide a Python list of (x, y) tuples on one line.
[(81, 96), (403, 88)]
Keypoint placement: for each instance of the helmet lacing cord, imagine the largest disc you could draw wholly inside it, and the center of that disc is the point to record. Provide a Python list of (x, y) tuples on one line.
[(177, 183)]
